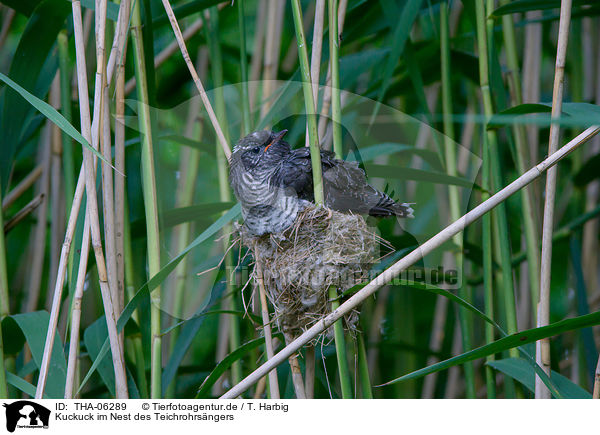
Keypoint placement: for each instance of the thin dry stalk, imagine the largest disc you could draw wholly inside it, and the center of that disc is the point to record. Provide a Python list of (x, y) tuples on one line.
[(197, 82), (22, 187), (60, 279), (39, 231), (92, 203), (221, 352), (309, 371), (56, 223), (257, 50), (264, 311), (317, 46), (453, 384), (275, 10), (120, 165), (260, 388), (375, 332), (296, 372), (120, 36), (393, 271), (543, 318), (23, 213), (108, 205), (315, 55), (435, 344), (327, 91), (532, 61), (591, 229), (76, 311)]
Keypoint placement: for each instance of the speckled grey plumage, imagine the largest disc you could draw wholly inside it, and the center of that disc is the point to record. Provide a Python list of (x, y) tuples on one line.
[(273, 183)]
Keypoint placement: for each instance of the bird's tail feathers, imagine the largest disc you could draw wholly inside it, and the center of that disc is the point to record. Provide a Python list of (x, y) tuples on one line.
[(404, 210)]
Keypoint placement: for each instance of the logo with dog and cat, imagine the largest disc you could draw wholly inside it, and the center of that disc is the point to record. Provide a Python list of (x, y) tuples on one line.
[(25, 414)]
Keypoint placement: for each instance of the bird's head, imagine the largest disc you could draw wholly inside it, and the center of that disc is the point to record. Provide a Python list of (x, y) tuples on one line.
[(260, 150)]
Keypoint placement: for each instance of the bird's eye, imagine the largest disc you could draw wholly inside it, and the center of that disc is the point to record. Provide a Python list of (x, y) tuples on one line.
[(255, 150)]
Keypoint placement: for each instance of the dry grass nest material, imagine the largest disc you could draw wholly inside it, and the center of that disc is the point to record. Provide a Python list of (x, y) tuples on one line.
[(323, 248)]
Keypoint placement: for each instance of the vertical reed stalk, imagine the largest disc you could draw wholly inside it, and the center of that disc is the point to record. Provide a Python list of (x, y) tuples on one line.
[(317, 46), (340, 348), (56, 222), (92, 133), (440, 315), (257, 50), (336, 113), (543, 318), (246, 114), (296, 372), (119, 180), (488, 294), (273, 382), (363, 369), (150, 201), (315, 57), (315, 152), (108, 205), (527, 198), (309, 371), (328, 88), (76, 312), (591, 245), (130, 287), (275, 10), (38, 247), (465, 318), (334, 64), (65, 105), (496, 177)]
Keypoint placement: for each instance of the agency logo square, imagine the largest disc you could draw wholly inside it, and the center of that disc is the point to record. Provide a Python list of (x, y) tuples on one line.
[(25, 414)]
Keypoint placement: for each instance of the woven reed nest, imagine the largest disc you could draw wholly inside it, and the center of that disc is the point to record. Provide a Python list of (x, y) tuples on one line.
[(323, 248)]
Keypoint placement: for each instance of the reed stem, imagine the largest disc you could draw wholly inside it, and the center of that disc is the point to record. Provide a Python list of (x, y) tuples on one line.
[(465, 318), (496, 176), (543, 318), (150, 201), (315, 151), (246, 114), (336, 109), (340, 348)]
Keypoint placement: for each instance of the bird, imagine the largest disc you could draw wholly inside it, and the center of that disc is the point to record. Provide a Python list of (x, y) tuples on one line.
[(273, 183)]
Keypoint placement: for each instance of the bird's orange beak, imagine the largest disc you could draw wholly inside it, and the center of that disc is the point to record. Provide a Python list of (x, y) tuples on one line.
[(275, 139)]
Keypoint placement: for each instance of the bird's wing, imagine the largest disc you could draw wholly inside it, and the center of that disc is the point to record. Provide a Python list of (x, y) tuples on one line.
[(344, 183), (347, 189), (295, 171)]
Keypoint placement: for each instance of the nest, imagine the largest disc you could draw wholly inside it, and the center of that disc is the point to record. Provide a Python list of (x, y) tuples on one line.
[(323, 248)]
